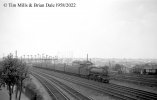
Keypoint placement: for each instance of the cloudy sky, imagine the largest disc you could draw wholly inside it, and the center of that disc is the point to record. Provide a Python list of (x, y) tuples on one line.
[(101, 28)]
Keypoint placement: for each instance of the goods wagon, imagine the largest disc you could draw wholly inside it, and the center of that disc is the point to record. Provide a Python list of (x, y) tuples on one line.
[(50, 66), (59, 67), (72, 69)]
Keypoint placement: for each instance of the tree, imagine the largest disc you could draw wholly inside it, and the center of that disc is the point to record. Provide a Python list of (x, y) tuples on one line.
[(13, 71), (23, 74), (1, 82), (9, 73)]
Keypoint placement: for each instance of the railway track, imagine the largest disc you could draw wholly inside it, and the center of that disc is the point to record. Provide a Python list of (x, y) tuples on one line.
[(75, 94), (53, 91), (114, 90), (138, 77), (139, 93), (137, 80)]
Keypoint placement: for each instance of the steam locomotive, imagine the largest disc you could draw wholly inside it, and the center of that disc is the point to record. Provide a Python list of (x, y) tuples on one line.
[(99, 74)]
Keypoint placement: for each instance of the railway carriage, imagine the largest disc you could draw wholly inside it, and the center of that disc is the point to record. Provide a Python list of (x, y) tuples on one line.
[(72, 69)]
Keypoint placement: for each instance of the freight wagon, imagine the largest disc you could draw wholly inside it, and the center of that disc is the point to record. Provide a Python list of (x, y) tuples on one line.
[(83, 69)]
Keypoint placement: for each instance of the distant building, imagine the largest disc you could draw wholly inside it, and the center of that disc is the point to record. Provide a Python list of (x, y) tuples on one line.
[(148, 68)]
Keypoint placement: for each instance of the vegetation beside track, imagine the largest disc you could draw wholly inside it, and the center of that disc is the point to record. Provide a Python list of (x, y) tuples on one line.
[(13, 73), (31, 91)]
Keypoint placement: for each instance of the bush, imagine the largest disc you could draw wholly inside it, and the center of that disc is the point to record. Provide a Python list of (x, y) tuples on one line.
[(32, 92)]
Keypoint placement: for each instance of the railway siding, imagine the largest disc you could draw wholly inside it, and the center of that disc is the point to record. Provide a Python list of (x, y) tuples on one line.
[(122, 91), (137, 79), (54, 92), (104, 90)]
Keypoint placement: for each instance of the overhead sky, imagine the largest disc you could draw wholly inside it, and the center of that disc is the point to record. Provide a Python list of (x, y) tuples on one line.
[(101, 28)]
